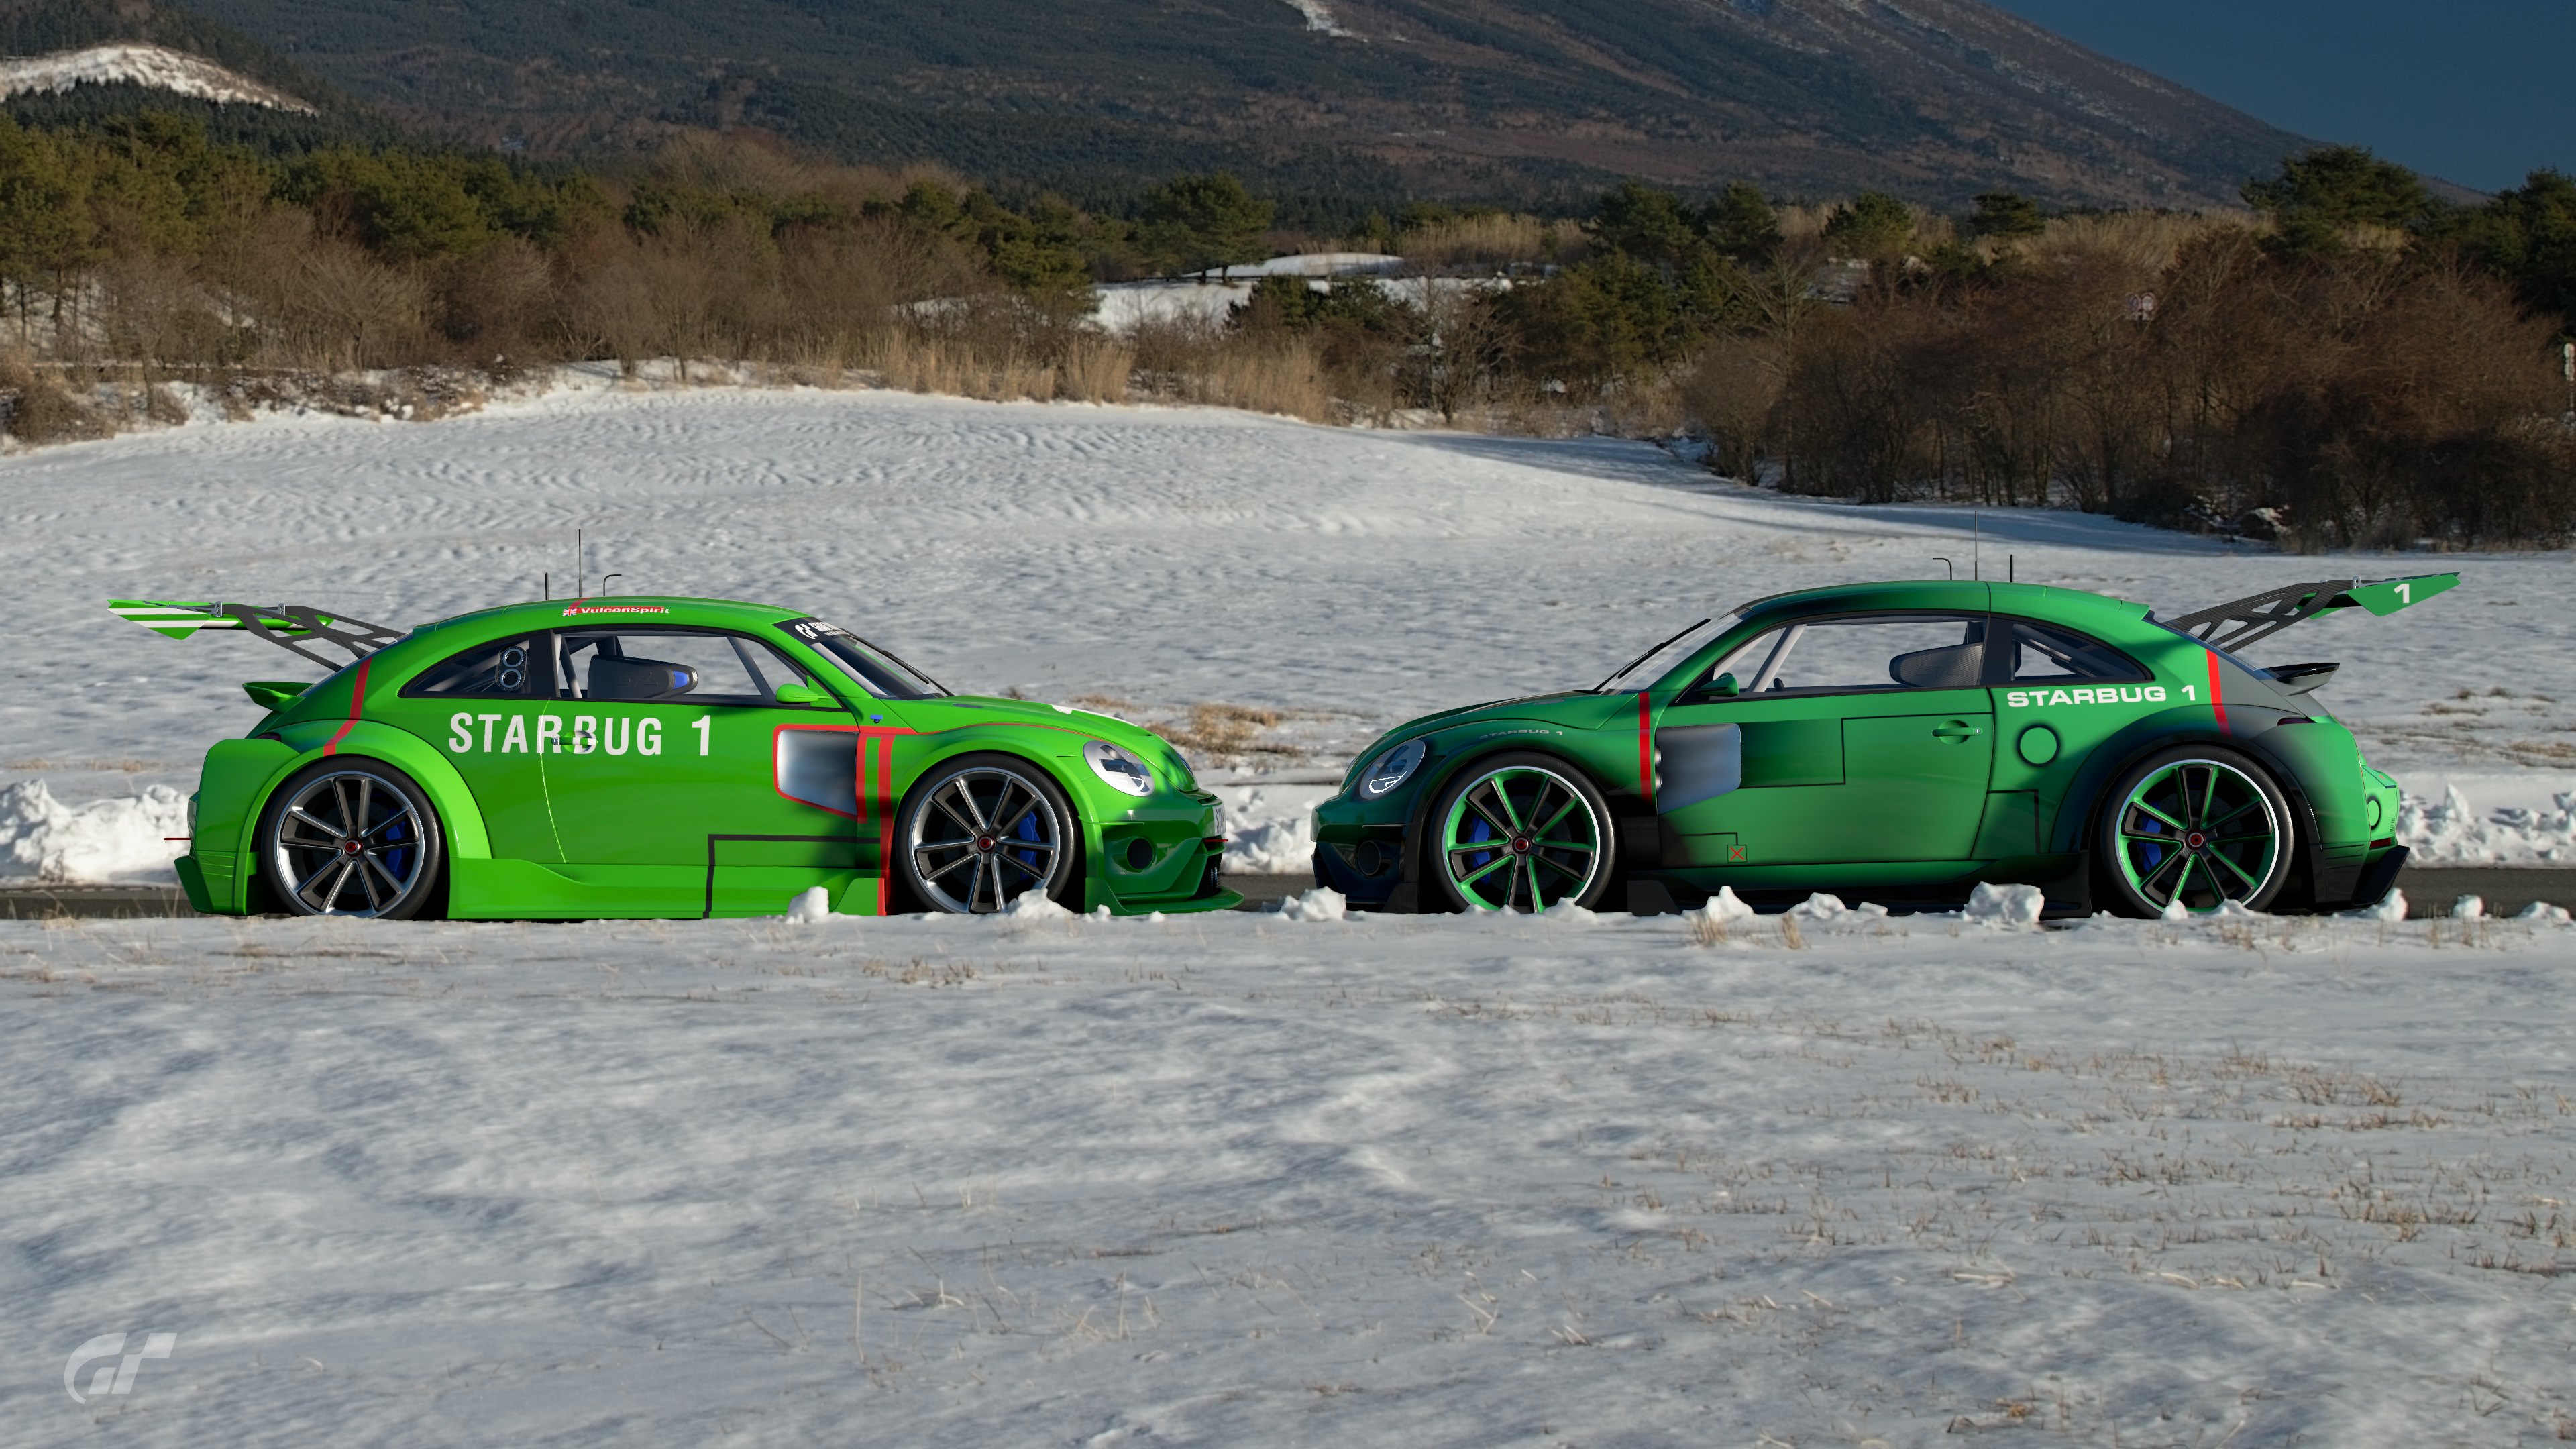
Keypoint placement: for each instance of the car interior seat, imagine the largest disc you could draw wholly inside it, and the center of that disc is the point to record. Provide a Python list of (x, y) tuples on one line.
[(639, 679), (1959, 666)]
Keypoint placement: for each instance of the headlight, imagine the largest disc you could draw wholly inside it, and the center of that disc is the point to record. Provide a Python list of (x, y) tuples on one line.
[(1118, 769), (1393, 768)]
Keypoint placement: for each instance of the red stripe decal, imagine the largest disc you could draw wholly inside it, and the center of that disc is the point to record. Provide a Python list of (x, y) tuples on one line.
[(2216, 700), (885, 817), (357, 702), (1645, 750)]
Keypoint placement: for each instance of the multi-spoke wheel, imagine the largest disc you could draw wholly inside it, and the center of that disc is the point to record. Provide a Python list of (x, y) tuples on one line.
[(350, 838), (1520, 833), (2196, 825), (982, 831)]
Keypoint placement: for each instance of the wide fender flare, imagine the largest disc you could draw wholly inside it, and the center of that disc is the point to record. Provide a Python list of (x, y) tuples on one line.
[(1455, 752), (458, 812), (2248, 726)]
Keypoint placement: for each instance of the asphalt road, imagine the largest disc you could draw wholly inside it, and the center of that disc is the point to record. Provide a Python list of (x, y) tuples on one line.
[(2430, 891)]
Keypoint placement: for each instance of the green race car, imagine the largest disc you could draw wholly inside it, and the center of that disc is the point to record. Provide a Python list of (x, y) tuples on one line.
[(665, 757), (1903, 741)]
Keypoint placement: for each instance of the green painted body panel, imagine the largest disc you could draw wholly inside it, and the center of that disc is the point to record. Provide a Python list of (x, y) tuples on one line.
[(566, 808), (1887, 785)]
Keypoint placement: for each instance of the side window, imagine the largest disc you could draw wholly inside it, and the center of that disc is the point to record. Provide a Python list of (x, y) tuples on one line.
[(505, 670), (2046, 654), (655, 666), (1877, 652)]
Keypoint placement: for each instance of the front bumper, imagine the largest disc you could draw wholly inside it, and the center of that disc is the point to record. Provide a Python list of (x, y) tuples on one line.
[(1360, 847), (1163, 855)]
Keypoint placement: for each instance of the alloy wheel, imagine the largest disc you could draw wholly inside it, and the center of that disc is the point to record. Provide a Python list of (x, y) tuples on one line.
[(350, 843), (2199, 831), (982, 838), (1520, 838)]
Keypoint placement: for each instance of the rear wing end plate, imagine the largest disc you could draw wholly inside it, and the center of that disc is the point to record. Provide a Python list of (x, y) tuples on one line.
[(2245, 621)]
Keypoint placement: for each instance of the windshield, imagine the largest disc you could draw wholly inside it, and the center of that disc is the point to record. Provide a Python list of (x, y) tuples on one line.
[(1668, 655), (871, 668)]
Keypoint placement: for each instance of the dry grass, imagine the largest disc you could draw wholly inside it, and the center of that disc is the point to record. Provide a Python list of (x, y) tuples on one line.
[(1222, 730), (1489, 241), (1197, 361), (2148, 241), (121, 766)]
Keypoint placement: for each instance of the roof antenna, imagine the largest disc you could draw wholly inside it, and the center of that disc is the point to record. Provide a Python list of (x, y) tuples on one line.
[(2008, 569), (546, 581), (1953, 568), (1976, 539), (603, 583)]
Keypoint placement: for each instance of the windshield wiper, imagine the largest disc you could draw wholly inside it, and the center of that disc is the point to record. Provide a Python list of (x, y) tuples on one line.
[(1649, 654)]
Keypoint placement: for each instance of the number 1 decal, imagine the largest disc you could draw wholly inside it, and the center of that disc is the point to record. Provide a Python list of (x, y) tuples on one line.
[(2405, 595), (2189, 691), (705, 726)]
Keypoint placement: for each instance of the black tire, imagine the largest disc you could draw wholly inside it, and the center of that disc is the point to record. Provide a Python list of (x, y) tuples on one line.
[(352, 837), (2202, 822), (1550, 834), (981, 831)]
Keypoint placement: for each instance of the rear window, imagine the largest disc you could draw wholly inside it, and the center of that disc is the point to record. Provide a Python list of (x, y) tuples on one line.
[(2047, 654), (502, 669)]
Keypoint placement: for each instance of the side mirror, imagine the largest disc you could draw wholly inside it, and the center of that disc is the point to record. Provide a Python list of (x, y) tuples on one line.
[(802, 694), (1724, 687)]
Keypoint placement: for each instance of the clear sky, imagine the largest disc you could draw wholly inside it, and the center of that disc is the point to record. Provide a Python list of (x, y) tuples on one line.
[(2480, 92)]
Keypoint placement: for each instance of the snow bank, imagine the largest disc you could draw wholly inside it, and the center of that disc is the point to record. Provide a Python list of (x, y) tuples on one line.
[(2007, 905), (43, 839), (2453, 830), (1323, 903), (1270, 829)]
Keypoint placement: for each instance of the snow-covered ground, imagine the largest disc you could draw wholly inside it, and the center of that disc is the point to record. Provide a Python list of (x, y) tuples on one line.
[(1284, 1178), (1158, 561), (1241, 1180)]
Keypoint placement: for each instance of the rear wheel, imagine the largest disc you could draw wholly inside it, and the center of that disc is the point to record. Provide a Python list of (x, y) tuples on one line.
[(981, 832), (2197, 825), (351, 838), (1520, 832)]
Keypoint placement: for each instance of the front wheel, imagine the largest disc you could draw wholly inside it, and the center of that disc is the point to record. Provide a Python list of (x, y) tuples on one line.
[(981, 832), (1520, 832), (2198, 825), (351, 838)]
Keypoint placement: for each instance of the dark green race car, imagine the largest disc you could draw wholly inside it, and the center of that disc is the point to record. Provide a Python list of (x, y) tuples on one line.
[(1901, 741), (667, 757)]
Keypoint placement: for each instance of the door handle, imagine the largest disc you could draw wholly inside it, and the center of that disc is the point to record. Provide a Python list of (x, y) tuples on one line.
[(1956, 731)]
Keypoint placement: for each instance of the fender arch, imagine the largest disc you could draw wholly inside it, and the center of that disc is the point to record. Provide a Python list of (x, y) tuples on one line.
[(2080, 810), (1086, 822), (1543, 740), (458, 813)]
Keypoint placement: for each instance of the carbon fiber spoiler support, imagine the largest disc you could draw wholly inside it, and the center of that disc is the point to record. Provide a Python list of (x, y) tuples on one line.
[(302, 626)]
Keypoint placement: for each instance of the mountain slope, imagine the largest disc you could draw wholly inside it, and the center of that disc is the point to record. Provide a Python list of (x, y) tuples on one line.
[(1937, 99), (151, 67)]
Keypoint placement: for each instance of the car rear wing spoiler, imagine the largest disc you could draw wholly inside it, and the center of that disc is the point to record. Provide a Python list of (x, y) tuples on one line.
[(2260, 616), (290, 627)]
